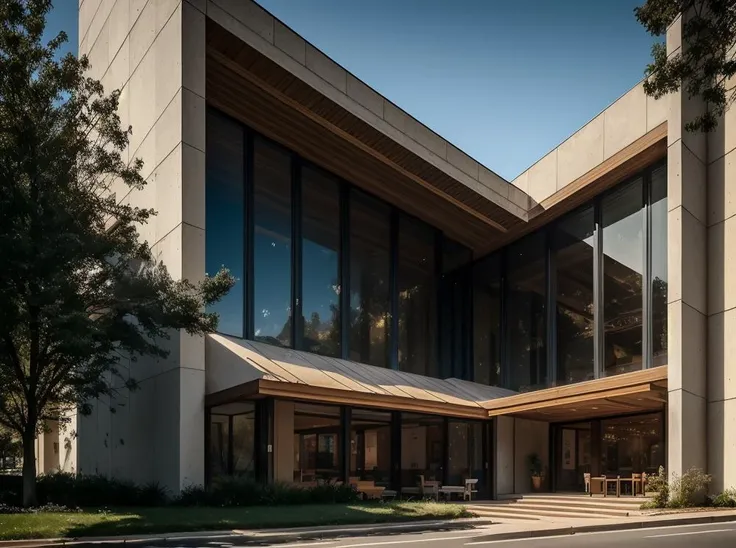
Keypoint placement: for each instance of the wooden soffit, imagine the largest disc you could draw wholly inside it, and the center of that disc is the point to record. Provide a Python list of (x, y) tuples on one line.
[(641, 391), (250, 87)]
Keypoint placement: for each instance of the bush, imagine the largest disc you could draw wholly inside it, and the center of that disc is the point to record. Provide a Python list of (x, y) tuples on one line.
[(48, 508), (727, 499), (660, 486), (690, 489), (86, 490)]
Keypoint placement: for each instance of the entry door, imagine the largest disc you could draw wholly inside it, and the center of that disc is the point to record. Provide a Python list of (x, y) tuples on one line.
[(572, 456)]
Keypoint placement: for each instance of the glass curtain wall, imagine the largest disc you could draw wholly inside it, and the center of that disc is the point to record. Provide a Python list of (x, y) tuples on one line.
[(317, 443), (370, 446), (320, 262), (423, 445), (487, 321), (225, 210), (232, 440), (526, 313), (574, 264), (659, 265), (370, 270), (465, 453), (272, 252)]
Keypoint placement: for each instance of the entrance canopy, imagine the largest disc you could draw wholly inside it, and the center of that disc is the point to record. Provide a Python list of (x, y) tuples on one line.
[(239, 369), (640, 391)]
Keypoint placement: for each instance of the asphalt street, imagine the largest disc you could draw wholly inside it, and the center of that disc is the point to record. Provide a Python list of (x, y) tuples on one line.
[(697, 536)]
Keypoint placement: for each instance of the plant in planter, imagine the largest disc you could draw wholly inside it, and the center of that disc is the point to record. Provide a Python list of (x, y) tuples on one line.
[(536, 470)]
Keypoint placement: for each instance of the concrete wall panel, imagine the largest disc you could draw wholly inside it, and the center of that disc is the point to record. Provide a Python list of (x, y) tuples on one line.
[(542, 178), (580, 153), (625, 121)]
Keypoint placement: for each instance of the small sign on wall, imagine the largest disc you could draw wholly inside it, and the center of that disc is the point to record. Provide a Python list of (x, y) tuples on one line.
[(568, 449)]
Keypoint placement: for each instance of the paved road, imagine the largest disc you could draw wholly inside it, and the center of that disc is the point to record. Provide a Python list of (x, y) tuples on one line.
[(717, 535)]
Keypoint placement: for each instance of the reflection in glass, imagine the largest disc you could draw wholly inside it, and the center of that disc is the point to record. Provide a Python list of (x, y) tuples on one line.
[(272, 244), (623, 257), (320, 262), (232, 423), (465, 453), (417, 299), (219, 449), (573, 248), (243, 443), (632, 445), (659, 266), (224, 210), (370, 446), (487, 321), (370, 237), (316, 443), (526, 313), (422, 448)]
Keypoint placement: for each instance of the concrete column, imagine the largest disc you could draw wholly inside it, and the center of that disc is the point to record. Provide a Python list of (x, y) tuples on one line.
[(504, 457), (721, 391), (283, 441), (687, 284)]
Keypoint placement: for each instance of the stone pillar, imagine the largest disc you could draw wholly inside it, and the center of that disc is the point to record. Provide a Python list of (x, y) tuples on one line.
[(687, 272), (721, 387), (504, 456)]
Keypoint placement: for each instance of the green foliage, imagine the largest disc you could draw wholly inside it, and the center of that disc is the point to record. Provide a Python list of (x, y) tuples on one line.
[(535, 464), (80, 296), (727, 499), (682, 492), (690, 489), (703, 66)]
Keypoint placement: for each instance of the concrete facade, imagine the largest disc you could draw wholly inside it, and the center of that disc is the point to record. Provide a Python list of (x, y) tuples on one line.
[(154, 51)]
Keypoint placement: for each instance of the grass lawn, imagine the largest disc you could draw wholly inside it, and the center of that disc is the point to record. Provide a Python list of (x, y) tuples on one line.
[(127, 521)]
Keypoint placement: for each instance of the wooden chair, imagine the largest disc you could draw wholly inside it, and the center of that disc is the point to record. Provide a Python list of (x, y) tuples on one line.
[(636, 484), (595, 485), (431, 489)]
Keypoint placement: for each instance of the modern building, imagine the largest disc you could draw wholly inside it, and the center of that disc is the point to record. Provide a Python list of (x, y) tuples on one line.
[(401, 309)]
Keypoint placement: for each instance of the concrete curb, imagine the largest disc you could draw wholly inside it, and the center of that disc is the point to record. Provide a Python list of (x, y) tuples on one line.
[(262, 535), (607, 527)]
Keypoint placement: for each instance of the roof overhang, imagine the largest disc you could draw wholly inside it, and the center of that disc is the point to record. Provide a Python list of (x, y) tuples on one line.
[(640, 391), (240, 370)]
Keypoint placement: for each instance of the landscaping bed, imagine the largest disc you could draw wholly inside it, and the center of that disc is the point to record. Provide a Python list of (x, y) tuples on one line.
[(170, 519)]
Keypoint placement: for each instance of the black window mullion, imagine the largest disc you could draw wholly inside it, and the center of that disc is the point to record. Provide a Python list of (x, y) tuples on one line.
[(344, 274), (504, 334), (551, 264), (393, 334), (598, 317), (249, 237), (646, 312), (297, 323), (445, 369)]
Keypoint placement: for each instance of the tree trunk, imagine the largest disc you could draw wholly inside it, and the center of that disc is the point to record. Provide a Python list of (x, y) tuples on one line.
[(29, 468)]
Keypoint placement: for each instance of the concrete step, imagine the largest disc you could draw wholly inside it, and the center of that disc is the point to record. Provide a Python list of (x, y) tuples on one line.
[(592, 506), (600, 502), (513, 510)]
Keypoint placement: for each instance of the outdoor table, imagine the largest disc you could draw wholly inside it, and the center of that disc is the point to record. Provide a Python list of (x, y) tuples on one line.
[(617, 481)]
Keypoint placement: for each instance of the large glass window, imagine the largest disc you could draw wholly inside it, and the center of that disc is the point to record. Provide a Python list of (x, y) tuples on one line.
[(224, 210), (417, 299), (526, 309), (320, 262), (272, 244), (659, 266), (465, 453), (232, 440), (370, 256), (632, 445), (573, 260), (623, 267), (370, 446), (422, 448), (487, 321), (316, 443)]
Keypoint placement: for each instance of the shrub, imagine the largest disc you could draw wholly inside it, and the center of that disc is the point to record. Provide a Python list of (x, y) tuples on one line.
[(48, 508), (660, 486), (152, 494), (86, 490), (690, 489), (727, 499), (193, 495)]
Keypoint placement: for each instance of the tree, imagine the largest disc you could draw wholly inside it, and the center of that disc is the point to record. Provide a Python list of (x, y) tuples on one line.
[(703, 68), (78, 291)]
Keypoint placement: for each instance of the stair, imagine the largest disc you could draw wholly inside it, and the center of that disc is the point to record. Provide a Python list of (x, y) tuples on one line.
[(555, 507)]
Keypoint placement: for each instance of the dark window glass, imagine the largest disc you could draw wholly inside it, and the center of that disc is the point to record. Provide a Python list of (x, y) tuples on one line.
[(316, 443), (573, 259), (370, 446), (455, 303), (232, 422), (272, 244), (487, 321), (526, 313), (417, 299), (454, 255), (465, 454), (224, 210), (659, 266), (422, 451), (320, 262), (243, 443), (219, 445), (632, 445), (370, 255), (623, 258)]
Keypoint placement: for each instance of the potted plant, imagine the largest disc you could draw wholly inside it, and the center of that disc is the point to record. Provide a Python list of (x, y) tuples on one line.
[(536, 470)]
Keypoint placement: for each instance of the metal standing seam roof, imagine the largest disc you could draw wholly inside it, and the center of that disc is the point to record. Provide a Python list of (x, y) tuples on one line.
[(273, 363)]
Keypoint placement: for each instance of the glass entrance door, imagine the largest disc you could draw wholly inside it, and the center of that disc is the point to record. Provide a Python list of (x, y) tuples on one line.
[(572, 456)]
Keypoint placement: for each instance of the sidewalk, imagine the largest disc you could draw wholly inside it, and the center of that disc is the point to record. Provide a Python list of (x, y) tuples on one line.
[(494, 530)]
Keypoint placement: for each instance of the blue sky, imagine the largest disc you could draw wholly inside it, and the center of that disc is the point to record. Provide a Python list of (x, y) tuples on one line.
[(504, 81)]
